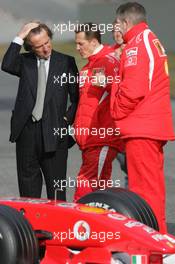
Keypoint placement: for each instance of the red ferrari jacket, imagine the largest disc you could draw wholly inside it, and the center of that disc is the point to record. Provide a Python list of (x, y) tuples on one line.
[(93, 124), (140, 103)]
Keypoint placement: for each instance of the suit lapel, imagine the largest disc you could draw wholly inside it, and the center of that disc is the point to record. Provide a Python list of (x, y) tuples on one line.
[(54, 70), (33, 74)]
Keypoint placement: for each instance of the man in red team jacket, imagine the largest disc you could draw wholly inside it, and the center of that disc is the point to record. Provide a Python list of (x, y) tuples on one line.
[(95, 130), (140, 105)]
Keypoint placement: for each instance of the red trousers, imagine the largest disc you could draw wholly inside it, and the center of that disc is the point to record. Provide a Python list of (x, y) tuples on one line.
[(145, 174), (95, 171)]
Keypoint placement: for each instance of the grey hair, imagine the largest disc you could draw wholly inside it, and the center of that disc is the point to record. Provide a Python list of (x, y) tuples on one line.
[(133, 11)]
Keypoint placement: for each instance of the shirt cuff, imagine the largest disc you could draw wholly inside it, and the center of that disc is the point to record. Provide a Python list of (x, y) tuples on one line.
[(18, 40)]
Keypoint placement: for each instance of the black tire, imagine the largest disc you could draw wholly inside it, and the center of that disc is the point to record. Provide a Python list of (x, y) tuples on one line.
[(122, 201), (18, 243)]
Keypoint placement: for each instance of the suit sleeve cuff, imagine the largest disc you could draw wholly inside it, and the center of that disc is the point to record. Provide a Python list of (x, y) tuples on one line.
[(18, 41)]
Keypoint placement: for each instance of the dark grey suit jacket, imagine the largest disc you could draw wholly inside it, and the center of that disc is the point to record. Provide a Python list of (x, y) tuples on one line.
[(55, 105)]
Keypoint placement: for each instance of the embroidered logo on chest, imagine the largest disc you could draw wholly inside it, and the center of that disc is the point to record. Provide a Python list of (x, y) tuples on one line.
[(131, 52), (131, 61)]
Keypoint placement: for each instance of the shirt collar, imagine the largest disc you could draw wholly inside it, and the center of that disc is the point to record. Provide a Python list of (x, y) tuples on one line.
[(98, 49), (47, 61)]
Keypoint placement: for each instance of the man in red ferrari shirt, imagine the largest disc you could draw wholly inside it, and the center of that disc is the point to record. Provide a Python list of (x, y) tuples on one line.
[(95, 131), (140, 105)]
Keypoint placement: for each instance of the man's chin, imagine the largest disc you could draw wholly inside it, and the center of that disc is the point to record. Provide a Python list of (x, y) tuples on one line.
[(45, 57)]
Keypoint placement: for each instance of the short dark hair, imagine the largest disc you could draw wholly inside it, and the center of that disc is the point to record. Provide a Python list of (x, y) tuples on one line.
[(90, 29), (35, 31), (132, 10)]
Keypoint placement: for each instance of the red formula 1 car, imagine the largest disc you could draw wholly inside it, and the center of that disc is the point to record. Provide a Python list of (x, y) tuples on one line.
[(42, 231)]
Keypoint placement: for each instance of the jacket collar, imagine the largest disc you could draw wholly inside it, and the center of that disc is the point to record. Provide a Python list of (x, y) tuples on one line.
[(134, 31), (105, 49), (98, 49), (55, 68), (55, 64)]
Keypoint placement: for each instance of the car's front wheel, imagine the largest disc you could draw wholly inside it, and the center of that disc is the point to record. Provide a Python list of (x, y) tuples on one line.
[(18, 243), (124, 202)]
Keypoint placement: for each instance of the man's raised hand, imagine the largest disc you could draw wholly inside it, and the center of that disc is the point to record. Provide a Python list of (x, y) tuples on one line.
[(27, 28)]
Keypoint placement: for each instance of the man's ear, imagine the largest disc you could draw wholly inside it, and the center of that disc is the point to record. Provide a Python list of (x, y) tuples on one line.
[(94, 42), (128, 24), (27, 46)]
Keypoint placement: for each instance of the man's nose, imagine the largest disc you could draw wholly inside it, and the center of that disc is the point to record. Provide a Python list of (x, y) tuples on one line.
[(45, 49)]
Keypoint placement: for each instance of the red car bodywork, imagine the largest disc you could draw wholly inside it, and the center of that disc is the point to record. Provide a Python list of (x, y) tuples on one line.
[(93, 233)]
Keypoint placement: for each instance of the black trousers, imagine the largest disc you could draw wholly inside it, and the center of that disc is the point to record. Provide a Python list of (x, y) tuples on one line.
[(33, 162)]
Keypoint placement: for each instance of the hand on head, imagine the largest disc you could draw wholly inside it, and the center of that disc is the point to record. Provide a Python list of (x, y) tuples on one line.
[(27, 28)]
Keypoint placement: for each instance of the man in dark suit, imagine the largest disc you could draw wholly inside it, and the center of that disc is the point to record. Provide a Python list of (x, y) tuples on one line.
[(40, 113)]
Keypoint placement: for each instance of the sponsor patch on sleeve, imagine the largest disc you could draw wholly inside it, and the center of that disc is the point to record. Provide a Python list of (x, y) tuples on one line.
[(159, 47)]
